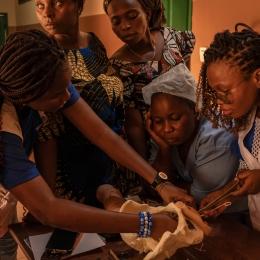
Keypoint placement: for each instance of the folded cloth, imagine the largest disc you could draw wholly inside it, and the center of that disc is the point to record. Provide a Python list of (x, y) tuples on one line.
[(183, 236)]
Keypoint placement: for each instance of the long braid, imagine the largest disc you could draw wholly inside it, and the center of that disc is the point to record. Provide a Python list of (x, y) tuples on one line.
[(239, 48), (156, 7), (28, 64)]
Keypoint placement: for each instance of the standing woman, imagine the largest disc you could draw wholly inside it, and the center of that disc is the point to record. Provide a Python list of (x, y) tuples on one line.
[(81, 166), (23, 93), (150, 50)]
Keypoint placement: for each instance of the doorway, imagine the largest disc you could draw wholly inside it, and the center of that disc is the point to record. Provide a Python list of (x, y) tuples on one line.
[(178, 13), (3, 27)]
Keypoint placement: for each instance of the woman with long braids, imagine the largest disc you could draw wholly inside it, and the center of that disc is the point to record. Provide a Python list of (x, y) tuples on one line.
[(35, 76), (82, 166), (150, 49), (229, 89)]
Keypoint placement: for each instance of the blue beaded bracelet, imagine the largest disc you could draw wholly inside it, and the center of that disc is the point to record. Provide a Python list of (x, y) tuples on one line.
[(145, 224)]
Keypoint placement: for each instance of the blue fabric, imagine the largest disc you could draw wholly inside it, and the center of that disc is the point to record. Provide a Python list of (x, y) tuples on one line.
[(248, 142), (17, 168), (74, 96), (210, 164)]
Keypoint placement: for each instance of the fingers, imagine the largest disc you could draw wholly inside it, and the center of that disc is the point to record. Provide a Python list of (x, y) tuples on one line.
[(242, 191), (216, 211), (204, 202), (189, 200), (243, 174)]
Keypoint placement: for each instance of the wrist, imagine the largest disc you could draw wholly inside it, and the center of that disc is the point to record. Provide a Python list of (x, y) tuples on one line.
[(160, 178), (146, 224)]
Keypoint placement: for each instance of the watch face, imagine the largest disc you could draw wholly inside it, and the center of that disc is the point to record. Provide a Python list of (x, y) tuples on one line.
[(163, 175)]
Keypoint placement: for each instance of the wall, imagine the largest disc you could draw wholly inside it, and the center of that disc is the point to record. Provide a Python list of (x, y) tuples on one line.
[(208, 18), (25, 14), (213, 16), (8, 6), (93, 19)]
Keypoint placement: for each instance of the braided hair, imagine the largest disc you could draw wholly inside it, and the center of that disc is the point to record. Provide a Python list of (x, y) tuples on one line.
[(28, 63), (240, 48), (157, 19)]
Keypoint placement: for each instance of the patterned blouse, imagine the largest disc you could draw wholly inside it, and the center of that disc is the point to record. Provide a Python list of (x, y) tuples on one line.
[(178, 47), (82, 167)]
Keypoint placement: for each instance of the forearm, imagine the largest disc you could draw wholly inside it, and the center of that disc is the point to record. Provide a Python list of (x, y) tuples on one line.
[(36, 196), (102, 136), (77, 217)]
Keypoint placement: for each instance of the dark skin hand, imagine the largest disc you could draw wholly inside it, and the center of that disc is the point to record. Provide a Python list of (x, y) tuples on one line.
[(249, 182), (217, 210), (165, 149)]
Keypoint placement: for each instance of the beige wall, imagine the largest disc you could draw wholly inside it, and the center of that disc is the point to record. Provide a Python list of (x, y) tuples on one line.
[(93, 7), (8, 6), (25, 14), (211, 16)]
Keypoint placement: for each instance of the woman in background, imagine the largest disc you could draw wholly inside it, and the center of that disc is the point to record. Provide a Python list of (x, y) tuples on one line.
[(80, 166), (150, 49)]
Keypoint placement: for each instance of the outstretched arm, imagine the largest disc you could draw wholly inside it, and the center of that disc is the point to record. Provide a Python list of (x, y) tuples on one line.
[(83, 117), (37, 197)]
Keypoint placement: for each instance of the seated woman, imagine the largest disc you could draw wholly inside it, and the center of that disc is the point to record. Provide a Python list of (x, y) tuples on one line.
[(185, 144)]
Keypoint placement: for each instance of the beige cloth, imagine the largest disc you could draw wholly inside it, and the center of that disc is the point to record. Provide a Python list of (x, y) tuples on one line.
[(183, 236), (10, 124)]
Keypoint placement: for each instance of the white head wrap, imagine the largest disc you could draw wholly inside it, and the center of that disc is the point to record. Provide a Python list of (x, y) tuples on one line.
[(178, 81)]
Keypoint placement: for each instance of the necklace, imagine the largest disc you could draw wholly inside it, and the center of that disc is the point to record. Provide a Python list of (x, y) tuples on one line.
[(141, 57)]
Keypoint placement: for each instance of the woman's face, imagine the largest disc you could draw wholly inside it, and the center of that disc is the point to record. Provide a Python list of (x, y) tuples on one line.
[(58, 93), (129, 20), (173, 118), (235, 95), (57, 16)]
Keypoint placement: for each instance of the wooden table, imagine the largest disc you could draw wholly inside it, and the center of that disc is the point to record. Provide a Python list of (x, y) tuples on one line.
[(233, 241)]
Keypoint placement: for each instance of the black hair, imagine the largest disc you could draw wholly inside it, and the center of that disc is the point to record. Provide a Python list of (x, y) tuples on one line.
[(156, 9), (29, 61), (240, 48)]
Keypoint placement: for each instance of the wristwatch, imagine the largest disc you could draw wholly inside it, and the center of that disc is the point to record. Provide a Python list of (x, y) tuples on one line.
[(160, 177)]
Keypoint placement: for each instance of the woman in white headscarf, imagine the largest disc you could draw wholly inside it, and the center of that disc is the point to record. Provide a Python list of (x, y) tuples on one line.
[(185, 145)]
